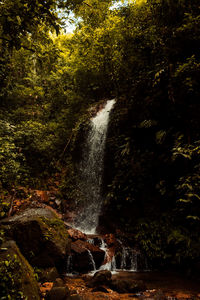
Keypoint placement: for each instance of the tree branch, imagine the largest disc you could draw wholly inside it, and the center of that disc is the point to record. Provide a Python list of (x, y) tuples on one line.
[(11, 204), (87, 4), (22, 46)]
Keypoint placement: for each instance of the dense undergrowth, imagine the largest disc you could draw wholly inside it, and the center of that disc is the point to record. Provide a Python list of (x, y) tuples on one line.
[(146, 54)]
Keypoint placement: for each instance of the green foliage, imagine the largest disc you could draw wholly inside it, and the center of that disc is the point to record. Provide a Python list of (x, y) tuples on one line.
[(4, 208), (152, 237), (188, 185), (2, 236), (54, 228), (145, 53), (20, 20), (184, 244), (10, 280), (11, 159)]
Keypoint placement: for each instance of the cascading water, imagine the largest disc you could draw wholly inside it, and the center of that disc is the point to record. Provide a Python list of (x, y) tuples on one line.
[(91, 171), (90, 178), (92, 260), (69, 268)]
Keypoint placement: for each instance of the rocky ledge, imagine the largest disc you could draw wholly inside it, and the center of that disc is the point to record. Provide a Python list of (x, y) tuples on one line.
[(40, 235)]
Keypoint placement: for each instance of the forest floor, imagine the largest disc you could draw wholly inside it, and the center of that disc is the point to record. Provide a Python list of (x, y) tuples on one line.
[(160, 286)]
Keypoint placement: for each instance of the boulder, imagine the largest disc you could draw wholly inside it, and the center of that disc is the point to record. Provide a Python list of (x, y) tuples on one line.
[(100, 278), (82, 254), (41, 236), (45, 288), (58, 282), (17, 276), (110, 239), (127, 286), (58, 293), (41, 196), (75, 234), (49, 274)]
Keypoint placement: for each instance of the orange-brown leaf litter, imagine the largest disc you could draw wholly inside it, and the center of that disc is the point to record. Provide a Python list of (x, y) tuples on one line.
[(160, 286)]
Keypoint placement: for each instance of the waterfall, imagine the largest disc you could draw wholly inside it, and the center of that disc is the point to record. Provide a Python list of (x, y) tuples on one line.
[(91, 260), (117, 257), (91, 171)]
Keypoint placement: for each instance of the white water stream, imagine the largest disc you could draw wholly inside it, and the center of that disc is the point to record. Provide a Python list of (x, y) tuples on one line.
[(91, 171)]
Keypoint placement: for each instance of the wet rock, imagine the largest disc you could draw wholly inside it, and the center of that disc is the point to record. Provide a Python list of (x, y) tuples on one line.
[(41, 196), (58, 293), (159, 295), (86, 277), (100, 289), (41, 236), (45, 287), (17, 276), (49, 274), (155, 294), (75, 297), (127, 286), (110, 239), (97, 296), (75, 234), (109, 256), (81, 256), (100, 278), (58, 282)]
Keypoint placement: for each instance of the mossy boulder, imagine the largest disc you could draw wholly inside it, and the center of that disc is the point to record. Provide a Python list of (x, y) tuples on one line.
[(41, 237), (17, 276)]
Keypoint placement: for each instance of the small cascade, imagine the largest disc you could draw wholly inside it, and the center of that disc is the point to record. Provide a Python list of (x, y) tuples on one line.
[(110, 265), (103, 245), (124, 258), (128, 259), (90, 241), (117, 257), (111, 262), (92, 262), (134, 261), (69, 265)]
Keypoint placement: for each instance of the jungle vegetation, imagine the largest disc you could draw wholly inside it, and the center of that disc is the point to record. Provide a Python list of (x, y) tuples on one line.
[(145, 53)]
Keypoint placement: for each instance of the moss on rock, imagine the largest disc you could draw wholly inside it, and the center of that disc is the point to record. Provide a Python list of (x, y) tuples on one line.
[(41, 237), (17, 276)]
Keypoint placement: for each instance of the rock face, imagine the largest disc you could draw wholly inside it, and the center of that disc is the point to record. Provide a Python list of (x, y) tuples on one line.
[(100, 278), (17, 276), (81, 254), (41, 236)]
